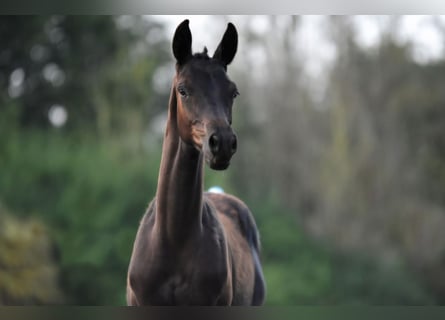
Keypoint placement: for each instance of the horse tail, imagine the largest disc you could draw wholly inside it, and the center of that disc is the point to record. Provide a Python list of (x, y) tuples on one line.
[(251, 233)]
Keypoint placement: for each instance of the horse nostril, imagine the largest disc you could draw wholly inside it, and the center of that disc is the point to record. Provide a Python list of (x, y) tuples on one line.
[(214, 143), (234, 144)]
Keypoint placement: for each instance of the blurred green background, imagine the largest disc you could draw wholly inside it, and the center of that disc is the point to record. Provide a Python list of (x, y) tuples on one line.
[(341, 127)]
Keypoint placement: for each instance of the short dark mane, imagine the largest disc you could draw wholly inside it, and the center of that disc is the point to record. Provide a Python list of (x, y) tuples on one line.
[(202, 55)]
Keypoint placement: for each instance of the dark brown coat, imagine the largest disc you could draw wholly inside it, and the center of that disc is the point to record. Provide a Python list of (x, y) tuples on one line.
[(192, 247)]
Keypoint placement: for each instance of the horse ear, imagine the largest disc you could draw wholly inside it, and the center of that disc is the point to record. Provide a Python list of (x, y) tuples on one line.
[(225, 52), (182, 42)]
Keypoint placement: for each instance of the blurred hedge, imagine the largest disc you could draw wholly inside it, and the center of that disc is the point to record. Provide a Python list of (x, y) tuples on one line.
[(29, 270), (302, 271), (92, 195)]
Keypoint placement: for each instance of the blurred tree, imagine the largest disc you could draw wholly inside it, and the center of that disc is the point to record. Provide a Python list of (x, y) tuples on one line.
[(382, 183), (99, 70), (363, 168), (275, 109), (92, 67)]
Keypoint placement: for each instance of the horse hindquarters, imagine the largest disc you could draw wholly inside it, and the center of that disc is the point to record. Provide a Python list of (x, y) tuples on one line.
[(244, 249)]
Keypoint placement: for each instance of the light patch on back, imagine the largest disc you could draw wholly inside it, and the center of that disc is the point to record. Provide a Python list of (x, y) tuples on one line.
[(216, 189)]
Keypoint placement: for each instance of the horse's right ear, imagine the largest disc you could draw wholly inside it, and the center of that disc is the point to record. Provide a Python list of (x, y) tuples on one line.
[(182, 43), (225, 52)]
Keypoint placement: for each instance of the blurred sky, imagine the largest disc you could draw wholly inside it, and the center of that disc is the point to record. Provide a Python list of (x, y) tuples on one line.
[(314, 43)]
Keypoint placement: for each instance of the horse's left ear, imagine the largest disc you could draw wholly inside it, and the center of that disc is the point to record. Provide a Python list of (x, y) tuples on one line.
[(225, 52), (182, 43)]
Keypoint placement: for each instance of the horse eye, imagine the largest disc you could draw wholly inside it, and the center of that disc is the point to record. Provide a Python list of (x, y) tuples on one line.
[(235, 94), (182, 92)]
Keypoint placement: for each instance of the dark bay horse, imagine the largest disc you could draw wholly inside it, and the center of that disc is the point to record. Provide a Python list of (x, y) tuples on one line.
[(193, 247)]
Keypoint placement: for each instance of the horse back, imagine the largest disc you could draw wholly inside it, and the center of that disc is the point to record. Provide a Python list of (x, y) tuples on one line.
[(244, 246)]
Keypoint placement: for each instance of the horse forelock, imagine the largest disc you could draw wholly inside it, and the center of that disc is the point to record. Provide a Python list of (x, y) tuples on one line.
[(202, 55)]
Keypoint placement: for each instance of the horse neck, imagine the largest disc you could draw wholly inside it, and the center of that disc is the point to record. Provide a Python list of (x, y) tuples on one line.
[(180, 182)]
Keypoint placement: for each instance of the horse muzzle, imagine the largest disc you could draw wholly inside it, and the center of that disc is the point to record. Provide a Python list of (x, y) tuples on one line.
[(220, 146)]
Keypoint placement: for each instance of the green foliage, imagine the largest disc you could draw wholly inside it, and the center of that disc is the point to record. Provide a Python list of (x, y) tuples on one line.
[(91, 193), (29, 271), (92, 196), (301, 271)]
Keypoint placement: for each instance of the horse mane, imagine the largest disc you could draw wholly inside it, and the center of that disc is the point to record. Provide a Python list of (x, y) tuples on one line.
[(202, 55), (199, 56)]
